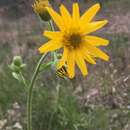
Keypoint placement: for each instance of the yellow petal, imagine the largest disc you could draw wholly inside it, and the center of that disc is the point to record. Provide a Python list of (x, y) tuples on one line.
[(71, 64), (50, 46), (53, 35), (89, 59), (63, 59), (87, 56), (66, 17), (96, 41), (81, 63), (89, 15), (75, 14), (56, 17), (94, 51), (91, 27)]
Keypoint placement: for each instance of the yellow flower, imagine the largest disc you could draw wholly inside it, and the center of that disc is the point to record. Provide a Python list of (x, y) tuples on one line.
[(78, 46), (40, 8)]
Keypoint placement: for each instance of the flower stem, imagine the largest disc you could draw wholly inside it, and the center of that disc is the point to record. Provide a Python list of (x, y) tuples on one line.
[(51, 25), (54, 54), (31, 85), (29, 99)]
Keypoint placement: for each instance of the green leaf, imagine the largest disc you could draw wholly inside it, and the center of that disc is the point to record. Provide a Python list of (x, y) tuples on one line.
[(23, 66), (17, 76), (46, 66)]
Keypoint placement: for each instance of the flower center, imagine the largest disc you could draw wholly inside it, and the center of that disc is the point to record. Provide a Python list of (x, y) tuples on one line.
[(73, 40)]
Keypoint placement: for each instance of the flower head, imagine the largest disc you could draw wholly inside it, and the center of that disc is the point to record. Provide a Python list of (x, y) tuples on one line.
[(40, 8), (74, 37)]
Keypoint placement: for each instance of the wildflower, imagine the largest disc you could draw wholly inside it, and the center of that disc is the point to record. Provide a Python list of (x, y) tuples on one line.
[(17, 64), (40, 8), (78, 46)]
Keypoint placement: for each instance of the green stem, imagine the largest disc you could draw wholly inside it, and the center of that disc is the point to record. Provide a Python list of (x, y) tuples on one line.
[(23, 79), (31, 85), (29, 99), (54, 54), (51, 25)]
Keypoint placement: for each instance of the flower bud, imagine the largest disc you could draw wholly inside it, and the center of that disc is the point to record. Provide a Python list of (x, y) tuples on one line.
[(40, 8), (17, 60), (14, 68)]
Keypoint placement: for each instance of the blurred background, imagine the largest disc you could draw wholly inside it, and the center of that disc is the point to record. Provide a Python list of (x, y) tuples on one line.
[(100, 101)]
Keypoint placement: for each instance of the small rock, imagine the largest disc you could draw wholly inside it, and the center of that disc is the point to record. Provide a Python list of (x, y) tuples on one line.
[(18, 126), (2, 123)]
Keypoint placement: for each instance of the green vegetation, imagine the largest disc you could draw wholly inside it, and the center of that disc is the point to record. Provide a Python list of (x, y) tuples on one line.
[(56, 107), (65, 105)]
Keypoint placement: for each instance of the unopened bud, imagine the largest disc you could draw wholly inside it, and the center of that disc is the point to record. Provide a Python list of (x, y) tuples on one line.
[(40, 8), (17, 60), (14, 68)]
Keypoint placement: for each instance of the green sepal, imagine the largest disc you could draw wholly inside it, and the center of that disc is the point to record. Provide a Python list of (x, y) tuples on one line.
[(14, 68)]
